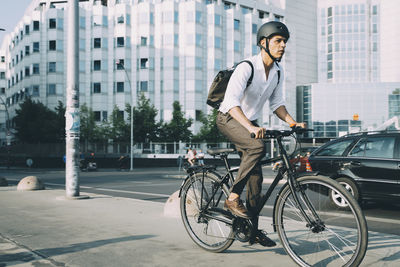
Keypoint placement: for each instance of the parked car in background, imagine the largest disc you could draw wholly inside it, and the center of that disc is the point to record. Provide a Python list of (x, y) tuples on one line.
[(366, 164)]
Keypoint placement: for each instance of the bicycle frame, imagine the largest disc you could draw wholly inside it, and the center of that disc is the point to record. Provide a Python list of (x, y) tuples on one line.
[(287, 168)]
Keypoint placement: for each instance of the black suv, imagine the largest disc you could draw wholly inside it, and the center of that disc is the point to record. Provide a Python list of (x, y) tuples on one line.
[(366, 164)]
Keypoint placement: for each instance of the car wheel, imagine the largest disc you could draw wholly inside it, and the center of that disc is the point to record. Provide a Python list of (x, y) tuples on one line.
[(350, 186)]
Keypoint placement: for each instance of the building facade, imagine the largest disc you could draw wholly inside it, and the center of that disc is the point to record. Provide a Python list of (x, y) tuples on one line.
[(168, 50), (358, 68)]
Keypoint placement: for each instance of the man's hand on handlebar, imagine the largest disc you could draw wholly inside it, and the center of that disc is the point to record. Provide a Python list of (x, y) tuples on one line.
[(299, 124), (257, 132)]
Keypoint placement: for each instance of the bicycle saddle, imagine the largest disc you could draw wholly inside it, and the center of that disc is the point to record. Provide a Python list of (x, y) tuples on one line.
[(218, 151)]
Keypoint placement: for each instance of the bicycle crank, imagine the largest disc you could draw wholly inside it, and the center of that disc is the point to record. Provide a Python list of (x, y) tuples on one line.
[(242, 229)]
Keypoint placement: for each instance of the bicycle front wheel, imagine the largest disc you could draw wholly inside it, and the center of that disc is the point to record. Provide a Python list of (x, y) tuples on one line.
[(335, 237), (201, 203)]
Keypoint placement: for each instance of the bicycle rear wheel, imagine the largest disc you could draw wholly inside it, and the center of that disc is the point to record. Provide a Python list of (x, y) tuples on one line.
[(340, 239), (208, 228)]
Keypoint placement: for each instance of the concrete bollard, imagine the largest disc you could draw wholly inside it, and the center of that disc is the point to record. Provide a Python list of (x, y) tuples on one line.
[(3, 181), (30, 183), (171, 207)]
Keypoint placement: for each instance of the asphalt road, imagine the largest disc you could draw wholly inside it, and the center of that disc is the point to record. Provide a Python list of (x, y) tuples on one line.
[(157, 184)]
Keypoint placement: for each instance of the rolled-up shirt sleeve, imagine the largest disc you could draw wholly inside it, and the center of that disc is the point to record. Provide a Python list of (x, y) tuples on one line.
[(276, 100), (236, 86)]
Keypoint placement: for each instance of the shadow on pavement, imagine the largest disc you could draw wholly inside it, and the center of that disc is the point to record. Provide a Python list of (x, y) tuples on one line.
[(50, 252)]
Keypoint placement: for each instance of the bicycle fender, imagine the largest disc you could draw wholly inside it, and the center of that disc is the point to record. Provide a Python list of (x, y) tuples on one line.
[(299, 175), (183, 182)]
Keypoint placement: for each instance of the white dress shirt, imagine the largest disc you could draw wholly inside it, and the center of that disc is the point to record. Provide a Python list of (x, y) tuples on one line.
[(252, 99)]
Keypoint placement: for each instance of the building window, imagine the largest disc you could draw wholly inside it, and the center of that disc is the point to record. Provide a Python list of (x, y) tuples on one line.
[(96, 64), (3, 59), (120, 87), (236, 45), (217, 20), (199, 41), (144, 86), (120, 64), (52, 45), (374, 10), (120, 41), (254, 28), (35, 68), (97, 43), (105, 116), (35, 47), (2, 90), (2, 75), (217, 42), (35, 25), (52, 23), (97, 115), (199, 17), (26, 51), (51, 89), (120, 19), (26, 29), (96, 88), (144, 63), (27, 71), (199, 63), (35, 90), (143, 41), (236, 24), (198, 115), (52, 66)]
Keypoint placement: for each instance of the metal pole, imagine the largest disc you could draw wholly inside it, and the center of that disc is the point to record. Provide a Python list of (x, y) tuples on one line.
[(72, 125), (130, 87)]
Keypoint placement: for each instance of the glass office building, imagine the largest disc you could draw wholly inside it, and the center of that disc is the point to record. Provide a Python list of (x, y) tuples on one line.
[(358, 68)]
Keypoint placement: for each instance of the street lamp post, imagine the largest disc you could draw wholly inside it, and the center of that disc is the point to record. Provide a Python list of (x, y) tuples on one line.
[(121, 64)]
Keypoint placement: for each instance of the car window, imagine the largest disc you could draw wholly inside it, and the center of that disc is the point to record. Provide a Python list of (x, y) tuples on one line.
[(335, 149), (380, 147), (374, 147), (359, 149)]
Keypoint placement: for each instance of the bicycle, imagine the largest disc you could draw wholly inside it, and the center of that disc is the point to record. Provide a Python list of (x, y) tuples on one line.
[(312, 231)]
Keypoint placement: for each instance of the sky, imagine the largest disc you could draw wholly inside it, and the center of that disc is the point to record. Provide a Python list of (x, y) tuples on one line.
[(11, 13)]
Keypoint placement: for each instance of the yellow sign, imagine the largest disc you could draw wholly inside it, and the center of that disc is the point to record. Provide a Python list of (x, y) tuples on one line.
[(355, 117)]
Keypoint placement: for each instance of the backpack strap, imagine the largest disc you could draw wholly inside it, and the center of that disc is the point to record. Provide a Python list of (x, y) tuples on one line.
[(279, 73), (252, 71)]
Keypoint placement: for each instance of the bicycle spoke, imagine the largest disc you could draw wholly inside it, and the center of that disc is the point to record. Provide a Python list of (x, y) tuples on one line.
[(335, 237), (203, 226)]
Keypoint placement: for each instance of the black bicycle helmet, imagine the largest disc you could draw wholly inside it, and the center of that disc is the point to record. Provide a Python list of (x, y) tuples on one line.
[(270, 29)]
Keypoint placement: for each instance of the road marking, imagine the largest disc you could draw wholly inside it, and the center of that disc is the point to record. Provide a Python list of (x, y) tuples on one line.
[(117, 190), (369, 218)]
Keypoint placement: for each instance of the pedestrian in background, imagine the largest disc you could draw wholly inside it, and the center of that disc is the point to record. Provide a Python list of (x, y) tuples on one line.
[(200, 157)]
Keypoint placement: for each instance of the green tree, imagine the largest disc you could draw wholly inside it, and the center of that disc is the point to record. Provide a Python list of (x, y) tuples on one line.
[(89, 130), (178, 128), (117, 128), (145, 126), (209, 131), (36, 123)]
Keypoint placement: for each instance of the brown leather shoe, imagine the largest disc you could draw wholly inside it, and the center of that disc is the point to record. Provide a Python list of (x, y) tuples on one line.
[(237, 208)]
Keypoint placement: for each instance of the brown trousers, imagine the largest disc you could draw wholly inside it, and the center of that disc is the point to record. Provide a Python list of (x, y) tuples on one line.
[(251, 151)]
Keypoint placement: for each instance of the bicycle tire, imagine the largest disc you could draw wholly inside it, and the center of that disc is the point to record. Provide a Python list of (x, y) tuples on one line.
[(210, 234), (341, 241)]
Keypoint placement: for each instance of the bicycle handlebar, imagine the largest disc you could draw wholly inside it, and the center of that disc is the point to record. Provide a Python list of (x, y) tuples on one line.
[(281, 133)]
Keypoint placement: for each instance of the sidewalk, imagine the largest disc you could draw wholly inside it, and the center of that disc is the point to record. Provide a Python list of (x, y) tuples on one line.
[(41, 228)]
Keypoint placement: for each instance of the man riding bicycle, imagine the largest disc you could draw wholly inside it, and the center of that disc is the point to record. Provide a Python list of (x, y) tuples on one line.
[(241, 108)]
